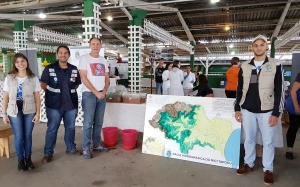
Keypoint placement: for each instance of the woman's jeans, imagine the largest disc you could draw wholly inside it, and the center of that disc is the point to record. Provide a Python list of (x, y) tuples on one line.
[(22, 126)]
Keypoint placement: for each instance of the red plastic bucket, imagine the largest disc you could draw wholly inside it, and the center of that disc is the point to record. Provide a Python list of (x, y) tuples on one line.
[(129, 138), (110, 136)]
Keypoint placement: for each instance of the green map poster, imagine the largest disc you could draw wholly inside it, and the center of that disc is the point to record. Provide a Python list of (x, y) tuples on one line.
[(197, 129)]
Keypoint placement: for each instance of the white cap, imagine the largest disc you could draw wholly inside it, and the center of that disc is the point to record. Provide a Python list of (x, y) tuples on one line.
[(260, 37)]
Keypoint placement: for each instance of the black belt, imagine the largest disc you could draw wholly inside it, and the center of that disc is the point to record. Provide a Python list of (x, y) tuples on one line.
[(20, 101)]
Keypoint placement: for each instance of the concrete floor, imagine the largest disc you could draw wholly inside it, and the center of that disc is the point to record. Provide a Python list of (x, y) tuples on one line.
[(121, 168)]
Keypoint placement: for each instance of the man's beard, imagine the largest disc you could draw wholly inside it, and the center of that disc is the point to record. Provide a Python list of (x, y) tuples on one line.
[(66, 61)]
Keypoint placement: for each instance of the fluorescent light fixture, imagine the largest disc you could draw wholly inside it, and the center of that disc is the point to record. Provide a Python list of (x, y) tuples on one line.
[(36, 39), (79, 36), (42, 15), (231, 46), (232, 52), (214, 1), (109, 18)]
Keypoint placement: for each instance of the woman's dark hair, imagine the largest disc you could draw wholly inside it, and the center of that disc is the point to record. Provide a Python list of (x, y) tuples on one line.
[(116, 71), (175, 64), (167, 65), (63, 46), (14, 70), (202, 79), (235, 60)]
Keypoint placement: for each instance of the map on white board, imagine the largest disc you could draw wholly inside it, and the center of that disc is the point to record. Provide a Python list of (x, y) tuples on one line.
[(197, 129)]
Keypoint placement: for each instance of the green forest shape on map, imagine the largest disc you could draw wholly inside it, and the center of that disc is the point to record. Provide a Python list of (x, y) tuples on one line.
[(194, 128)]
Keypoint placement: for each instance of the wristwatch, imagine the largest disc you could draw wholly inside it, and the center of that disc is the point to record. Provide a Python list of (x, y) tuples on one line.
[(4, 113)]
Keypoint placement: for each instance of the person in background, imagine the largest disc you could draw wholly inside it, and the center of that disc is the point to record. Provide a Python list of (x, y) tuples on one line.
[(158, 76), (110, 73), (259, 102), (232, 78), (166, 79), (204, 90), (189, 80), (116, 72), (119, 59), (292, 107), (60, 81), (21, 107), (176, 77), (94, 89), (197, 76)]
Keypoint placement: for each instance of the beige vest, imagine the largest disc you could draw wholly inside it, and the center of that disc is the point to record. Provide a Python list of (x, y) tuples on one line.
[(29, 106), (265, 82)]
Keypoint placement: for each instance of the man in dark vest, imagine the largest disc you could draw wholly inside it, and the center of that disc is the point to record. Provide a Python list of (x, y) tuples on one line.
[(60, 81)]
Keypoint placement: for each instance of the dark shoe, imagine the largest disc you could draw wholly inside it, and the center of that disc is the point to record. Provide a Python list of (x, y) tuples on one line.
[(75, 152), (29, 163), (268, 177), (46, 159), (244, 170), (100, 148), (289, 155), (21, 165), (87, 154)]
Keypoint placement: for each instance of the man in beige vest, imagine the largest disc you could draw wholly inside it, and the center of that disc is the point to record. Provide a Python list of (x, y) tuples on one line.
[(259, 103)]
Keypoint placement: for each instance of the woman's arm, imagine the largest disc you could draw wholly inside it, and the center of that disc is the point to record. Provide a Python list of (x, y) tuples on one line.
[(196, 88), (37, 99), (294, 90), (165, 77), (181, 76), (4, 107)]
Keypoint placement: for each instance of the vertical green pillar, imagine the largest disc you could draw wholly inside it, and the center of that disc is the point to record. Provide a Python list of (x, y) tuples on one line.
[(137, 17), (89, 13), (192, 56), (20, 34), (135, 50), (272, 54), (88, 7), (21, 25)]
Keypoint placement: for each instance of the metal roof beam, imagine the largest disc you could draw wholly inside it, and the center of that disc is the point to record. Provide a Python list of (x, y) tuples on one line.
[(124, 9), (149, 6), (207, 50), (186, 28), (13, 5), (230, 34), (6, 35), (281, 20), (237, 24), (288, 35), (223, 13), (114, 33), (294, 47), (36, 17), (203, 26), (6, 25)]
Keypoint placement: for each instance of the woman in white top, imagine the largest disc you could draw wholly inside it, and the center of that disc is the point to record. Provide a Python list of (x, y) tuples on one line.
[(21, 107), (176, 77), (165, 78)]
